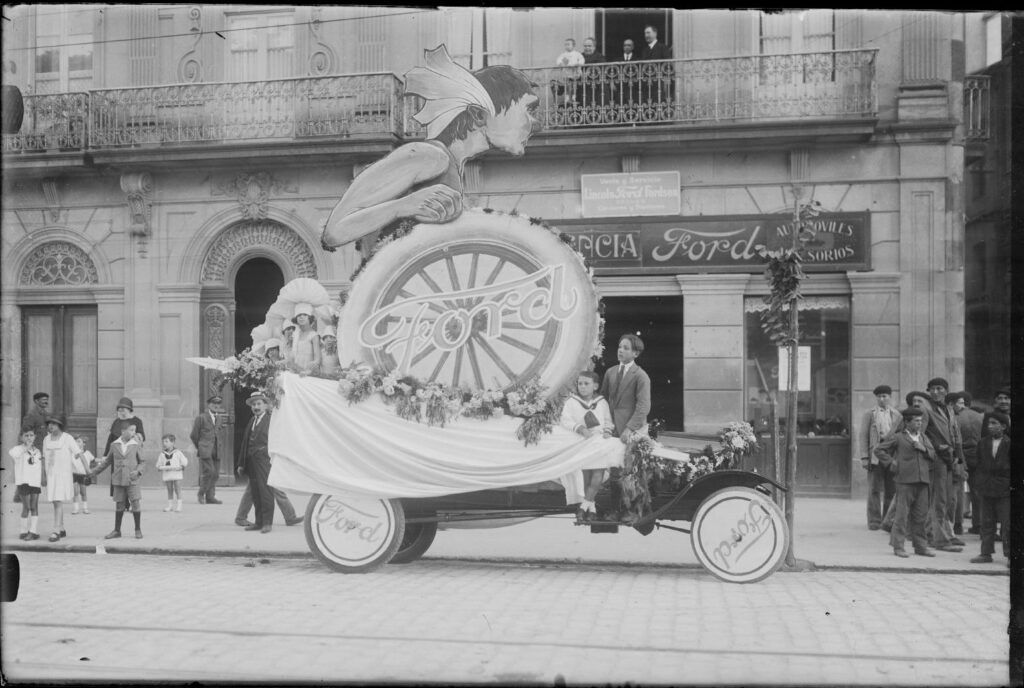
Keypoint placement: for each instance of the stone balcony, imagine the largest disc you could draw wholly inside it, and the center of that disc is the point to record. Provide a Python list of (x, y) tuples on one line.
[(806, 94)]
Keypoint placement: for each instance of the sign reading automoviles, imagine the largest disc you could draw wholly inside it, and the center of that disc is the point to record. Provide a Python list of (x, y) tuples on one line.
[(630, 194), (841, 241)]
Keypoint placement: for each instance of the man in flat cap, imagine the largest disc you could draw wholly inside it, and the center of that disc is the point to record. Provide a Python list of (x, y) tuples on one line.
[(876, 425), (36, 417), (1000, 403), (206, 438), (942, 429), (909, 455)]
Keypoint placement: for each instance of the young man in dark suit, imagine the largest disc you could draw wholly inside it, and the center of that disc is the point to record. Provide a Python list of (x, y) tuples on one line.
[(657, 89), (628, 390), (991, 476), (909, 455), (254, 461), (204, 437)]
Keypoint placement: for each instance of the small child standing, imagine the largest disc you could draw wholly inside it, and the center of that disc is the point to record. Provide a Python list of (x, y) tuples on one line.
[(28, 476), (125, 476), (171, 465), (79, 468)]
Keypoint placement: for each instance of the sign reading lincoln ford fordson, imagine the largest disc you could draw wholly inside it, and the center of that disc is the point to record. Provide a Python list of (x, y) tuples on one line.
[(724, 243), (630, 194)]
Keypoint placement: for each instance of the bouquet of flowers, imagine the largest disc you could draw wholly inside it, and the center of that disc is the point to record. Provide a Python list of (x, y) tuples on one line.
[(539, 414), (251, 371), (483, 404), (737, 440)]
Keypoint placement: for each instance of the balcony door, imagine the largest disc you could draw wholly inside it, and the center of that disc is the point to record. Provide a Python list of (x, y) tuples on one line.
[(63, 59), (260, 46), (615, 26), (59, 354)]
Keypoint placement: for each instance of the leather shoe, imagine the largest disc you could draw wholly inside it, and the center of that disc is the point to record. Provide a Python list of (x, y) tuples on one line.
[(202, 499), (887, 529), (265, 529), (138, 534), (294, 521), (958, 542), (581, 516), (902, 553), (874, 527), (982, 559), (949, 548), (211, 500), (254, 527), (924, 553), (112, 534), (244, 522), (958, 530)]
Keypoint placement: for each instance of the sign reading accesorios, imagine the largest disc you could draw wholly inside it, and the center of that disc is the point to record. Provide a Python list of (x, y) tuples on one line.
[(841, 241)]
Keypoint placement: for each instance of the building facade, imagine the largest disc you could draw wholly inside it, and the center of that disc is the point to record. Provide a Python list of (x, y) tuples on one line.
[(173, 165)]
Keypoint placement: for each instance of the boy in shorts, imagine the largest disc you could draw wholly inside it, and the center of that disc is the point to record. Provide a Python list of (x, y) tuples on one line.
[(125, 457)]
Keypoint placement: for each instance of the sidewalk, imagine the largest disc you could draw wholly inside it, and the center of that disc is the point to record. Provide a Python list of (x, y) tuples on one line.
[(830, 533)]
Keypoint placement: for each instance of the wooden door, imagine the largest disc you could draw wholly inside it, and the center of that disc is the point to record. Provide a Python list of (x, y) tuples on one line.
[(59, 357)]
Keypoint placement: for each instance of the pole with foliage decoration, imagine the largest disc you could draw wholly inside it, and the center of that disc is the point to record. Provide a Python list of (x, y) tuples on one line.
[(784, 272)]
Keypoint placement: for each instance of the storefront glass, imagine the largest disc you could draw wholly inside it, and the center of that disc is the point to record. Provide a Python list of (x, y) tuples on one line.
[(823, 385)]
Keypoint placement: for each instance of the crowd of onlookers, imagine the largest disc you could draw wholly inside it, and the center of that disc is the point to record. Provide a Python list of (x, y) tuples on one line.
[(935, 463)]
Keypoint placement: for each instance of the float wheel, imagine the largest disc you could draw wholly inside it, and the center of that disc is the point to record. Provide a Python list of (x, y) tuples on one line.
[(354, 535), (739, 535)]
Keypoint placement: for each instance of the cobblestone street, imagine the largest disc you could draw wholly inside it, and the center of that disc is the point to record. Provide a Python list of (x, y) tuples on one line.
[(121, 617)]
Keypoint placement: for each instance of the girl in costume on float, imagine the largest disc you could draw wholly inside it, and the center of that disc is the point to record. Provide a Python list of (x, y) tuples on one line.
[(329, 343), (465, 114), (306, 345), (587, 414), (287, 337)]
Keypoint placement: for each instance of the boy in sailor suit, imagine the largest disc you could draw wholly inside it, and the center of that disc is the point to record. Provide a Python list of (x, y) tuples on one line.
[(587, 414)]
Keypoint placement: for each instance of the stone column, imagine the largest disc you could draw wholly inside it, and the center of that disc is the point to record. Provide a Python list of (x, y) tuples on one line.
[(926, 66), (874, 354), (713, 346)]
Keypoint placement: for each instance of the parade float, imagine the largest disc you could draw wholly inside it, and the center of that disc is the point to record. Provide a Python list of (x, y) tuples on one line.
[(436, 395)]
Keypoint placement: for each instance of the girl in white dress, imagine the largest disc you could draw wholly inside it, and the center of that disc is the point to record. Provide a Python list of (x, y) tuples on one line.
[(59, 451), (587, 414), (306, 346)]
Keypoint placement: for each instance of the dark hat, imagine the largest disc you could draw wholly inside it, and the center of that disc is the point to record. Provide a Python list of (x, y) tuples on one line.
[(882, 389), (215, 399), (255, 396), (55, 419), (966, 396), (911, 395), (912, 413), (40, 395), (952, 397), (125, 402), (1001, 417), (937, 381), (1003, 390)]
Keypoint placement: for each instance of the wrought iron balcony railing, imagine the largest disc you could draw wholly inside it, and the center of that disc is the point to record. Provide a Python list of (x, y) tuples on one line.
[(730, 89), (977, 108), (838, 84), (54, 122)]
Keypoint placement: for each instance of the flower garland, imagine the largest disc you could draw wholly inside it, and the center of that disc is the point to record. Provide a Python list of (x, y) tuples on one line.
[(644, 474), (438, 404)]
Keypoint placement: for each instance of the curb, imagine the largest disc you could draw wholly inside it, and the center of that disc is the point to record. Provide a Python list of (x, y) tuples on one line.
[(807, 567)]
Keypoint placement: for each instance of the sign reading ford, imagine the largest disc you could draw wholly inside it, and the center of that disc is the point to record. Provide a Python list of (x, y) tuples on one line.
[(842, 241)]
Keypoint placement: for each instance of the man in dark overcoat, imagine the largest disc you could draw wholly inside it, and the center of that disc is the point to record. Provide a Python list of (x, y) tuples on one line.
[(992, 482), (205, 437)]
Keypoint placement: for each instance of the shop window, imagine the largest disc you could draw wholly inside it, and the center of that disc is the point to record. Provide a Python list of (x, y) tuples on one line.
[(823, 387)]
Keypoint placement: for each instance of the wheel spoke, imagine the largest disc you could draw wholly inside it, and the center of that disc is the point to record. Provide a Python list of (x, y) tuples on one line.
[(458, 368), (453, 276), (408, 294), (440, 364), (423, 354), (475, 364), (435, 286), (486, 348), (522, 346), (494, 273)]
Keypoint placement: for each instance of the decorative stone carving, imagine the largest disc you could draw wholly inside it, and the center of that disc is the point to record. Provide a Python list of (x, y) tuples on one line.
[(322, 60), (58, 263), (52, 195), (215, 317), (138, 186), (253, 192), (264, 234), (190, 67)]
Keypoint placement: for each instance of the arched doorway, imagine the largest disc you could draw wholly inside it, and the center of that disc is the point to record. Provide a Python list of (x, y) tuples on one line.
[(257, 284)]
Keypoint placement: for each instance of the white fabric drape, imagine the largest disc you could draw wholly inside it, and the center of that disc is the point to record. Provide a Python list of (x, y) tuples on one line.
[(320, 443)]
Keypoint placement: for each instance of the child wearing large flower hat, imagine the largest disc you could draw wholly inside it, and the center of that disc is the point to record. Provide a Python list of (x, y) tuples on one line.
[(306, 347)]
